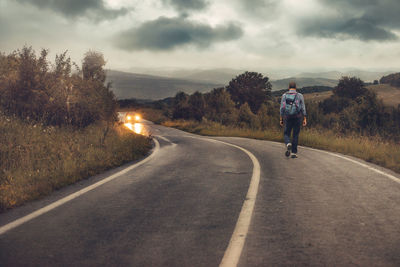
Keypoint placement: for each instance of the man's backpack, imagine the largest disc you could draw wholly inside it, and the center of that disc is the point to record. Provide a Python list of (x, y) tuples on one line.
[(292, 108)]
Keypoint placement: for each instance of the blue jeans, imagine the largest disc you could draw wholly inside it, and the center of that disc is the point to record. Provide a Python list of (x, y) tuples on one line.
[(292, 124)]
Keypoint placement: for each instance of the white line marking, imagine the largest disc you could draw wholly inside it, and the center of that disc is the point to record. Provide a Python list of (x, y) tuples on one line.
[(166, 139), (391, 177), (236, 243), (235, 247), (66, 199)]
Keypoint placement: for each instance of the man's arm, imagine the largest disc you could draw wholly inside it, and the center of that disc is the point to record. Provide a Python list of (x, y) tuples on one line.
[(282, 109), (303, 110)]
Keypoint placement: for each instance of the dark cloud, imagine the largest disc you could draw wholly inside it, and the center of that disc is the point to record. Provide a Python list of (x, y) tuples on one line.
[(92, 9), (169, 33), (357, 28), (186, 5), (367, 20), (264, 9)]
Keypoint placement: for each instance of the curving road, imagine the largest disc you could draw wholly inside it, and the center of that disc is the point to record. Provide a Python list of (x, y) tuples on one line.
[(189, 204)]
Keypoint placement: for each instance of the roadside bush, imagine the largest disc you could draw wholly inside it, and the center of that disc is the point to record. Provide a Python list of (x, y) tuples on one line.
[(197, 106), (34, 89), (247, 117), (181, 106), (220, 107)]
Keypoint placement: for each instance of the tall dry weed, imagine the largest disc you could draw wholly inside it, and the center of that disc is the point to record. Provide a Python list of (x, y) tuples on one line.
[(35, 159)]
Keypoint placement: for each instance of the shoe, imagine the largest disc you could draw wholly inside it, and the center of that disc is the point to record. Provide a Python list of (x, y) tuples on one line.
[(294, 155), (289, 149)]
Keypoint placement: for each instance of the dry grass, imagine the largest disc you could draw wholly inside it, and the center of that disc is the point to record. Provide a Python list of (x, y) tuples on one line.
[(318, 96), (375, 150), (35, 160), (389, 94)]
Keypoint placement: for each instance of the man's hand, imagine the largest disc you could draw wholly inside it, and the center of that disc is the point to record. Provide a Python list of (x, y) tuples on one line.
[(304, 121), (281, 121)]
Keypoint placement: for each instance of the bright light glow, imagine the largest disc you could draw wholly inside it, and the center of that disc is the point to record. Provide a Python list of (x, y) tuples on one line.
[(129, 118), (138, 118), (136, 128), (129, 126)]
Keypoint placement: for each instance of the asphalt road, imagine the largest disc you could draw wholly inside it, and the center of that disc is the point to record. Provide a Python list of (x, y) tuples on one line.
[(181, 207)]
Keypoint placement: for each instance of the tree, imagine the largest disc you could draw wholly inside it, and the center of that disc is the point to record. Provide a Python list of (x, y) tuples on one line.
[(392, 79), (33, 90), (251, 88), (350, 87), (196, 106), (181, 106), (334, 104), (93, 66), (369, 113)]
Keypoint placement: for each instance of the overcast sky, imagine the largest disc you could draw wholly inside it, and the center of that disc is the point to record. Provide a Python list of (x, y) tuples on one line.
[(243, 34)]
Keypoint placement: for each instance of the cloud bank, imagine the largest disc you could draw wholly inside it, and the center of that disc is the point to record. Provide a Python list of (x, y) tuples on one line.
[(165, 34), (365, 20), (186, 5), (92, 9)]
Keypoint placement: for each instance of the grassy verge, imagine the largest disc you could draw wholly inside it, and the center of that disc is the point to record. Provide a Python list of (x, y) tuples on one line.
[(35, 160), (375, 150)]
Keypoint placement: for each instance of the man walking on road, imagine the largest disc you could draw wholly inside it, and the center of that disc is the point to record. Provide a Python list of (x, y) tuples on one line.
[(293, 112)]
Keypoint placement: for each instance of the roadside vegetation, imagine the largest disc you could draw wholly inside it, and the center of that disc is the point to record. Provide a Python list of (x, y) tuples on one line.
[(58, 125), (349, 118), (376, 150)]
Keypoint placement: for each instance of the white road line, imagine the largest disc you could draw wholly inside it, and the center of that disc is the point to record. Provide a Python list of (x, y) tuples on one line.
[(235, 247), (68, 198), (166, 139), (391, 177), (236, 243)]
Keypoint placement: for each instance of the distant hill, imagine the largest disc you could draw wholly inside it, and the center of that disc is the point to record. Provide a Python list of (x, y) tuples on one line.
[(367, 76), (305, 90), (391, 79), (220, 76), (142, 86), (303, 82), (131, 85)]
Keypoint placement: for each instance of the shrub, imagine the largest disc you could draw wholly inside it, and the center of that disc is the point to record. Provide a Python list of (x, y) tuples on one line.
[(33, 90)]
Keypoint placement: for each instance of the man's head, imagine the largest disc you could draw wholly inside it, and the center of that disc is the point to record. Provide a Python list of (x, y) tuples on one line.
[(292, 85)]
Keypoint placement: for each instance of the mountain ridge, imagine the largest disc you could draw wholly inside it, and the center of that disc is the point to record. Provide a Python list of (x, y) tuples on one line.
[(154, 87)]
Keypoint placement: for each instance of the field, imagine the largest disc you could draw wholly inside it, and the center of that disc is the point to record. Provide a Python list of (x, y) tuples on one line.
[(319, 96), (389, 94)]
